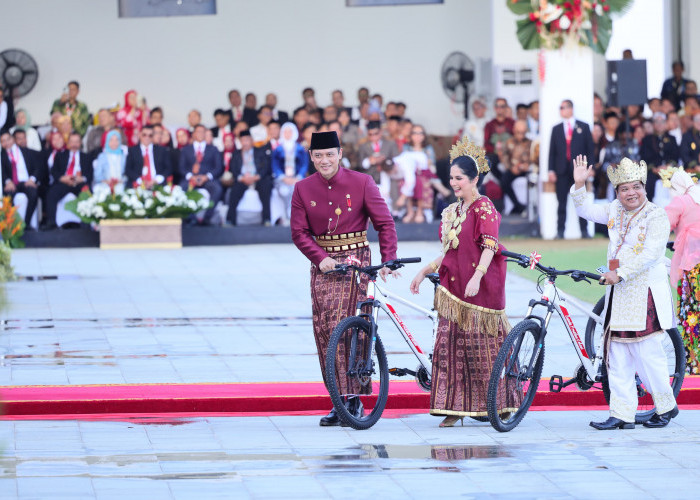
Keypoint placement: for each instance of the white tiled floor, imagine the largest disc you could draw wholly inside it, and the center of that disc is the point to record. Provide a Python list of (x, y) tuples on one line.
[(199, 314)]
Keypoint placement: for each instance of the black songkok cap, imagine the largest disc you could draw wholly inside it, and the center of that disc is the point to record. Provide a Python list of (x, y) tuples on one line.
[(374, 124), (324, 140), (243, 133)]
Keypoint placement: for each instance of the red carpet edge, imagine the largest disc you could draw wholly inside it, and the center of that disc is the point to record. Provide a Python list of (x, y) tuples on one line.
[(241, 399)]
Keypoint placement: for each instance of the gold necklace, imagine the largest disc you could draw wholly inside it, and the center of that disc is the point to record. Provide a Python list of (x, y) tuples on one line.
[(455, 225)]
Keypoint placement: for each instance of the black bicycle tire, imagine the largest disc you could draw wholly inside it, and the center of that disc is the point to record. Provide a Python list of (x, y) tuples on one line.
[(676, 339), (590, 328), (642, 416), (369, 420), (491, 399)]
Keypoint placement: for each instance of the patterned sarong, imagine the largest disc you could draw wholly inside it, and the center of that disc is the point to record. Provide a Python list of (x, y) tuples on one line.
[(462, 364), (333, 298)]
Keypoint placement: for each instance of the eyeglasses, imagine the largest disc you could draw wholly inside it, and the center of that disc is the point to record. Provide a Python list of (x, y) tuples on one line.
[(564, 107), (373, 132), (501, 106), (146, 135)]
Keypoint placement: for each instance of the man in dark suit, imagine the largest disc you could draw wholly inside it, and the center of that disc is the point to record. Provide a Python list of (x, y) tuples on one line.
[(673, 88), (278, 115), (235, 113), (71, 172), (19, 173), (223, 127), (690, 145), (147, 163), (200, 167), (252, 169), (569, 139), (659, 150), (250, 111)]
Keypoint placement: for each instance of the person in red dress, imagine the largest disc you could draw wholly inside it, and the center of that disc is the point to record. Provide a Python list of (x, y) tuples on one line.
[(331, 210), (470, 300)]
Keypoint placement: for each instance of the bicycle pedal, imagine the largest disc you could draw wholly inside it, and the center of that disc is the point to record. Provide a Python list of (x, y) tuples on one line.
[(398, 372), (556, 383)]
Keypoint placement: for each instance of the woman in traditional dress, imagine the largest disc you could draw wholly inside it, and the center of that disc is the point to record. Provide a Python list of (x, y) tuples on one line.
[(131, 118), (684, 215), (470, 300)]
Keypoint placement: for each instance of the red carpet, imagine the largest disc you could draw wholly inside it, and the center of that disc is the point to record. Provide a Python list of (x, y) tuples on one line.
[(95, 401)]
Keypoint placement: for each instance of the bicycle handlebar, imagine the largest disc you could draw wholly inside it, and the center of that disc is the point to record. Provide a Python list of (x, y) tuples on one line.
[(373, 270), (524, 261)]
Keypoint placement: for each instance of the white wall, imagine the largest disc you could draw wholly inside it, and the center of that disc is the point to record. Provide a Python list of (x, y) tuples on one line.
[(253, 45), (690, 17), (645, 29)]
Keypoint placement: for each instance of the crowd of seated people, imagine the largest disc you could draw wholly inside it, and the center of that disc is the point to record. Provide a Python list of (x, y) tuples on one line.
[(248, 162), (664, 131)]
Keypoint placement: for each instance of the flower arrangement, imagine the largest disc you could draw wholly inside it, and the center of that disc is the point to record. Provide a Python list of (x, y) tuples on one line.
[(551, 24), (136, 203), (11, 224), (689, 316)]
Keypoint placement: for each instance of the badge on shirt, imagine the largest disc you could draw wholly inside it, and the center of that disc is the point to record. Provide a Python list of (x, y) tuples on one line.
[(313, 203)]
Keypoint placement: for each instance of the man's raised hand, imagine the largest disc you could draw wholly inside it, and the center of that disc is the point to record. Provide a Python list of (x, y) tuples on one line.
[(581, 171)]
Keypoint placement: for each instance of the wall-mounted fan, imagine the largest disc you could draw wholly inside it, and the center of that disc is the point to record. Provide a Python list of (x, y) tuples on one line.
[(457, 77), (18, 72)]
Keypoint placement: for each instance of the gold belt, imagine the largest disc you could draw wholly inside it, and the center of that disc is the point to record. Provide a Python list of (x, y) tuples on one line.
[(343, 242)]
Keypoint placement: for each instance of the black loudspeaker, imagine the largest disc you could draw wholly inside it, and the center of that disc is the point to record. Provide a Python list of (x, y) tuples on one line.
[(627, 82)]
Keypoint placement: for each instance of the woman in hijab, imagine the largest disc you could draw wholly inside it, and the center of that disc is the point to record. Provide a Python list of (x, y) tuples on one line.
[(109, 166), (684, 215), (24, 122), (290, 162), (131, 118)]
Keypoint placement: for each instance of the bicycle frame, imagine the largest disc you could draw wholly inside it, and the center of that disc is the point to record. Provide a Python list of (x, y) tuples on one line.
[(377, 298), (554, 299)]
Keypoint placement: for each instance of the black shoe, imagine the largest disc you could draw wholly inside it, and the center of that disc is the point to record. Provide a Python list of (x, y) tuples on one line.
[(612, 423), (585, 235), (517, 210), (560, 235), (657, 421), (355, 407), (330, 420)]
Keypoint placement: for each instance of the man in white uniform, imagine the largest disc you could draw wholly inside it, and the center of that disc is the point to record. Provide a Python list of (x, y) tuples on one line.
[(638, 304)]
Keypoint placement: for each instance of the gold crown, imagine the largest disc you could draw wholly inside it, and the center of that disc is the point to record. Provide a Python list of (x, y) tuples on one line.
[(466, 148), (627, 171)]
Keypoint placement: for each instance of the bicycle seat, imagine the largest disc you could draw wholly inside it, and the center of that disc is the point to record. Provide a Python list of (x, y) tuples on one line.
[(434, 278)]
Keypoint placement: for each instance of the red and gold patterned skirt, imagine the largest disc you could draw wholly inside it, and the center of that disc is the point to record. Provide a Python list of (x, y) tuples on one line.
[(462, 364), (333, 298)]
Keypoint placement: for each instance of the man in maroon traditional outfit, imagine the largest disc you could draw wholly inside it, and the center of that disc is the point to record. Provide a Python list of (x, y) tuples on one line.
[(330, 214)]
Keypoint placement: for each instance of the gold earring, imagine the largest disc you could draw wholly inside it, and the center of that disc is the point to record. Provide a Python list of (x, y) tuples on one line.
[(475, 192)]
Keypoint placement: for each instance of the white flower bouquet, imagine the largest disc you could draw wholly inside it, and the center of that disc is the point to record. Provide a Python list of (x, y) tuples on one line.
[(137, 203)]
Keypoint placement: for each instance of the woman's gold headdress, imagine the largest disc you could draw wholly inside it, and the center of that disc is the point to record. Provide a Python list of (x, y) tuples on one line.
[(471, 150)]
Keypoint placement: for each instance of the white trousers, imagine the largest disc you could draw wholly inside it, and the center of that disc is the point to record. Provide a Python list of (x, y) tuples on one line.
[(647, 359)]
